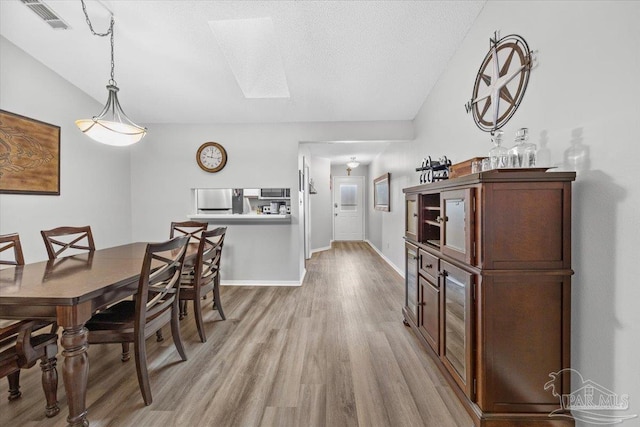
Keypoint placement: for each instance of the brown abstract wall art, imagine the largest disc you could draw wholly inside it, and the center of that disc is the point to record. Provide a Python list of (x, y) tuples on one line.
[(29, 155)]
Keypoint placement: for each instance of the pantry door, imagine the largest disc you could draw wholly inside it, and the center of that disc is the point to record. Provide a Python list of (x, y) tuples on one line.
[(348, 208)]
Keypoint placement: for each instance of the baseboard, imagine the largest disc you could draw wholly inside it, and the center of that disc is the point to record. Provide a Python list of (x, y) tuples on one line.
[(326, 248), (260, 283), (392, 265)]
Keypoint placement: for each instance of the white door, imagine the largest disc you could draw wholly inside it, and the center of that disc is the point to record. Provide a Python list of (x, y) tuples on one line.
[(348, 208)]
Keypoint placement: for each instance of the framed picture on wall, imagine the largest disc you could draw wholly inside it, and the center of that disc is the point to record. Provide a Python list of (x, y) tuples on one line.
[(381, 193), (29, 155)]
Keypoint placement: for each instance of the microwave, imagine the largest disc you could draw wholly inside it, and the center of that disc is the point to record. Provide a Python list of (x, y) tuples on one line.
[(275, 193)]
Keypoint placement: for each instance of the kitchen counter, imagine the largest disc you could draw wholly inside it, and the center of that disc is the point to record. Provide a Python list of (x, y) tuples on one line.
[(251, 217)]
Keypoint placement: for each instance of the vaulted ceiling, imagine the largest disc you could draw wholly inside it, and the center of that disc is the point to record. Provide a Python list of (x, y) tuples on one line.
[(251, 61), (185, 61)]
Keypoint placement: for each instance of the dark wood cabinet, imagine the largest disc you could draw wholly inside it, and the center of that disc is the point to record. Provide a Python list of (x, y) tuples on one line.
[(429, 324), (489, 289)]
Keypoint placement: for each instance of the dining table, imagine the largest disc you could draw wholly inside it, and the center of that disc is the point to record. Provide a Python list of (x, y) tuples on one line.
[(69, 290)]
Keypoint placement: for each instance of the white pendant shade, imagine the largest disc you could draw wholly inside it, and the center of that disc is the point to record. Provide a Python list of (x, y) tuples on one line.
[(112, 126), (111, 133), (353, 164)]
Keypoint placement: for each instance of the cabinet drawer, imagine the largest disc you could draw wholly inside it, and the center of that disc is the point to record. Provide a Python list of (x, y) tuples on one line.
[(429, 266)]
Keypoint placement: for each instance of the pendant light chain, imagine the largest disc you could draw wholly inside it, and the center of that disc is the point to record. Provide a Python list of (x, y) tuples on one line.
[(108, 33), (111, 126)]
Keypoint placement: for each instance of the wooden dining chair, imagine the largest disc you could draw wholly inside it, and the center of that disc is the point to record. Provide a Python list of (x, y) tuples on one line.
[(21, 349), (11, 241), (193, 229), (205, 278), (18, 350), (61, 239), (155, 304)]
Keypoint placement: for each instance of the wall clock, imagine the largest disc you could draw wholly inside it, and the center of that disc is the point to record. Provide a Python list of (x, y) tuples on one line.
[(211, 157), (501, 82)]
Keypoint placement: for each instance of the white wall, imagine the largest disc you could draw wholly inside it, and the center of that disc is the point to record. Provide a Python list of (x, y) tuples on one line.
[(585, 91), (320, 203), (163, 170), (94, 178), (386, 229)]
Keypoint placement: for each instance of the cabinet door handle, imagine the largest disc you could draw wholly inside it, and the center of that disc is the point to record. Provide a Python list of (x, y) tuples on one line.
[(415, 214), (428, 266)]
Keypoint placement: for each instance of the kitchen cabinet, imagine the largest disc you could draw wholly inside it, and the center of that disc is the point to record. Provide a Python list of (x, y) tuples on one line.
[(488, 285)]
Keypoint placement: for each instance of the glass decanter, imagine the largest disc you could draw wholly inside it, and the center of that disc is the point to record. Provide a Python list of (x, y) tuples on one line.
[(523, 153), (498, 155)]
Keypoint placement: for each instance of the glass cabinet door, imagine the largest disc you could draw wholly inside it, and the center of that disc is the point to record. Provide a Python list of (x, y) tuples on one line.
[(457, 230), (457, 317), (411, 281), (411, 219)]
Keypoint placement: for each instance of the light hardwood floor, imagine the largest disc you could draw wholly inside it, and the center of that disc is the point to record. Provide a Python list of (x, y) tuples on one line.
[(333, 352)]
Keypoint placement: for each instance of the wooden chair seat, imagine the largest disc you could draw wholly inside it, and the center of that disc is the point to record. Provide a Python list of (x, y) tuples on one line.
[(155, 305)]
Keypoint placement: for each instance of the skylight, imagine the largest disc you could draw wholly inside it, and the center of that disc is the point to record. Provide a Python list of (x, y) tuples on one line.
[(251, 50)]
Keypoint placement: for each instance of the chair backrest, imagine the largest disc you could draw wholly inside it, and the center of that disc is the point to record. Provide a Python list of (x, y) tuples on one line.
[(11, 241), (207, 266), (193, 229), (159, 282), (61, 239)]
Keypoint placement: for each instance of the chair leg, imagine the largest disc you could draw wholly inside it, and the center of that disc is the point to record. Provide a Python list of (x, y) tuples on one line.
[(183, 309), (216, 299), (141, 368), (126, 353), (50, 384), (197, 312), (14, 385), (175, 332)]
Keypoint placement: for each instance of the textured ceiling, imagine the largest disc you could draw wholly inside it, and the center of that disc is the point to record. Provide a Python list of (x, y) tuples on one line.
[(343, 60)]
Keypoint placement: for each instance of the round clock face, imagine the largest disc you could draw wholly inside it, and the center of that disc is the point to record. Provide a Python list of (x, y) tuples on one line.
[(211, 157), (500, 83)]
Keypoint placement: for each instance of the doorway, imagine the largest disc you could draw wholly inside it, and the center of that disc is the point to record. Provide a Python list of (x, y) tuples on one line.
[(348, 208)]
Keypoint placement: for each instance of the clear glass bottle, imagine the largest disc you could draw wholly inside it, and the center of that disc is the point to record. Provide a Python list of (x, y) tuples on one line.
[(498, 154), (523, 153)]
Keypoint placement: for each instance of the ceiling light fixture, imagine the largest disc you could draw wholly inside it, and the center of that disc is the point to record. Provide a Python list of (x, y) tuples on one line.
[(353, 164), (111, 126)]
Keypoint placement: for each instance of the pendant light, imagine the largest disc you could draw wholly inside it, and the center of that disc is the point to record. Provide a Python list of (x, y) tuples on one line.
[(111, 126), (353, 164)]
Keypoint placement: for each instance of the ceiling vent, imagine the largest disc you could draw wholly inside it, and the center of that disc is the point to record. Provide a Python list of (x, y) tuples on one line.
[(46, 14)]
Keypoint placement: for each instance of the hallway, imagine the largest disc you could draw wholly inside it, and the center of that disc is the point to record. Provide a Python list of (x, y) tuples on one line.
[(333, 352)]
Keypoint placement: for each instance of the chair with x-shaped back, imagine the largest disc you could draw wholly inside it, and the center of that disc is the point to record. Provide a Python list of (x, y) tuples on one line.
[(11, 241), (62, 239), (193, 229), (204, 278), (155, 305), (20, 349)]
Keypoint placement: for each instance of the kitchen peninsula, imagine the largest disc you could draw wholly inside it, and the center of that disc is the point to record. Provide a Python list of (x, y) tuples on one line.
[(241, 205)]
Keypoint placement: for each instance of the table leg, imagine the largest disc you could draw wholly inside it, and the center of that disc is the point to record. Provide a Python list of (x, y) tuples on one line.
[(75, 373)]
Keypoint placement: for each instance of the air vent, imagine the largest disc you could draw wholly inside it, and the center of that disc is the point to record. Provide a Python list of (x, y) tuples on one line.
[(46, 14)]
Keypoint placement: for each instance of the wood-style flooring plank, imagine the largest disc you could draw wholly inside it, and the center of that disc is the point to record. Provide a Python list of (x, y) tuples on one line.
[(332, 352)]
